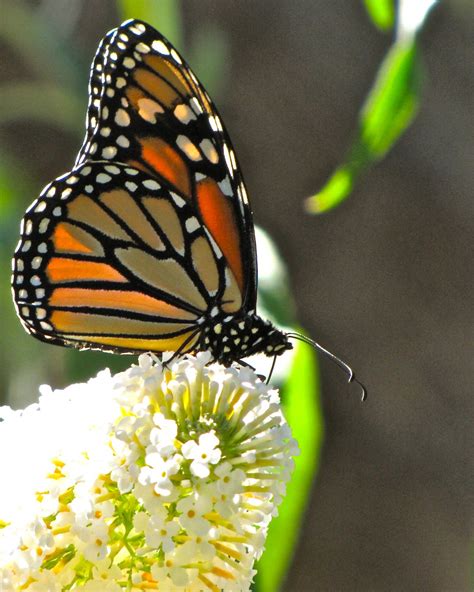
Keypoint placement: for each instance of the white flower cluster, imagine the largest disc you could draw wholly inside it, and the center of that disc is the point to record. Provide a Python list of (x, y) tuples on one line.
[(158, 478)]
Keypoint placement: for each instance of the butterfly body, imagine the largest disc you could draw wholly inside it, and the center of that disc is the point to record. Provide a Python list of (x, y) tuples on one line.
[(147, 244)]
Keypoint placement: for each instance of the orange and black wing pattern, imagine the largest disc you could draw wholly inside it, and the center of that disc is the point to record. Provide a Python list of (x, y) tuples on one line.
[(151, 233), (111, 259), (148, 110)]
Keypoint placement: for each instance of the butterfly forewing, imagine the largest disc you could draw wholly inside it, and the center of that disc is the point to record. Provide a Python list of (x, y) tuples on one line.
[(110, 258), (147, 109)]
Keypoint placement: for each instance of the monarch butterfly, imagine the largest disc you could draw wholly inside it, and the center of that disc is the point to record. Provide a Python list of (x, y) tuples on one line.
[(148, 243)]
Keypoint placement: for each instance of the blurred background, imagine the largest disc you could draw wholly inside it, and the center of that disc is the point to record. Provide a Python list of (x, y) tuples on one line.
[(384, 280)]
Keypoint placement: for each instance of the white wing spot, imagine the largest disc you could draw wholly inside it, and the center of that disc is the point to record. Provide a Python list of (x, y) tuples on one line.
[(150, 184), (114, 56), (123, 142), (103, 178), (110, 92), (36, 262), (131, 186), (132, 172), (225, 186), (243, 193), (57, 211), (35, 280), (122, 118), (86, 171), (192, 224), (105, 113), (160, 47), (42, 248), (72, 180), (43, 225), (143, 48), (212, 123), (227, 159), (183, 113), (129, 63), (209, 151), (123, 37), (147, 109), (40, 292), (176, 57), (51, 192), (138, 29), (120, 82), (40, 207), (89, 188), (185, 144), (29, 227), (196, 106), (178, 200), (109, 152), (232, 159), (46, 326), (110, 168)]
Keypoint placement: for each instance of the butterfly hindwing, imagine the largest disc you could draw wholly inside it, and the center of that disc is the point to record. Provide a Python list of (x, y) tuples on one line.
[(148, 110), (110, 258)]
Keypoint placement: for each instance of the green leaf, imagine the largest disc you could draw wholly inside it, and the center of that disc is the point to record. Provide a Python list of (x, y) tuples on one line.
[(389, 109), (274, 296), (382, 13), (393, 101), (164, 15), (300, 396)]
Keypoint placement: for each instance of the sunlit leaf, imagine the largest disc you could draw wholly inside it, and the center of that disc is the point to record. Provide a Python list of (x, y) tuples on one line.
[(164, 15), (382, 13), (302, 410), (389, 109), (274, 297)]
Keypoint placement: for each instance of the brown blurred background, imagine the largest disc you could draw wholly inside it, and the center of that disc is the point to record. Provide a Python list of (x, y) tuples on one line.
[(385, 280)]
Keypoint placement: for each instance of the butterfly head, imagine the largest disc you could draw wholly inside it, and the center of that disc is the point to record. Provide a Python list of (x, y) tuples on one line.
[(231, 338)]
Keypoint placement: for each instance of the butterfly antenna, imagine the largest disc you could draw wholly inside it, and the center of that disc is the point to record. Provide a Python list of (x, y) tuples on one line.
[(332, 357), (271, 370)]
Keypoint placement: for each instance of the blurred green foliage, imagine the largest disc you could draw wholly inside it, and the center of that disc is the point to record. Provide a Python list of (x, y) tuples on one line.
[(382, 13), (391, 104), (303, 412), (164, 15)]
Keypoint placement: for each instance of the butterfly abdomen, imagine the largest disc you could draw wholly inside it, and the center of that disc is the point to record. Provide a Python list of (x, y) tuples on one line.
[(234, 337)]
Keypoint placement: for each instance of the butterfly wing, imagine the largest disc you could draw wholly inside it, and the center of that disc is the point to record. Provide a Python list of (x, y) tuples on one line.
[(148, 110), (111, 258)]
